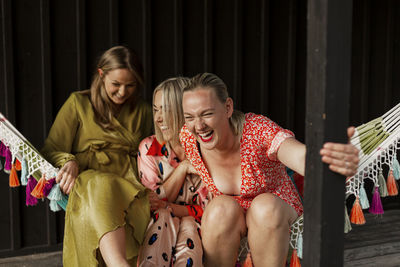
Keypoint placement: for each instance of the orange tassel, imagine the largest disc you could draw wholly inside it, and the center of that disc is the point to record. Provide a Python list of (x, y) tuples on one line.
[(38, 190), (294, 260), (248, 262), (14, 182), (17, 165), (392, 185), (357, 215)]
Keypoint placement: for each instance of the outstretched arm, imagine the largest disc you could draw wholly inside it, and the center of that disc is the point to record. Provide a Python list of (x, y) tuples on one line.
[(342, 158)]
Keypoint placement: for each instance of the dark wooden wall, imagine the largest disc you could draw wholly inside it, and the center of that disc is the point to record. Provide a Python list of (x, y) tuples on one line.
[(49, 48)]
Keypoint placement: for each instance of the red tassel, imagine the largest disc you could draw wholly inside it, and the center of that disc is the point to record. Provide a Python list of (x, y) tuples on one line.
[(17, 165), (392, 185), (294, 260), (14, 182), (357, 215), (38, 190)]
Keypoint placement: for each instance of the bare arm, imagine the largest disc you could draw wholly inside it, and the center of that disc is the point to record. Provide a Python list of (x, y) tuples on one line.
[(292, 153), (156, 203)]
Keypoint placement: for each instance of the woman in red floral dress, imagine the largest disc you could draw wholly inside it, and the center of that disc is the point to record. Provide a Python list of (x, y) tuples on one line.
[(242, 160)]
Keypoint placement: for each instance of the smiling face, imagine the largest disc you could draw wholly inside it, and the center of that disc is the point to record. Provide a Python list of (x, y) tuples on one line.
[(120, 84), (206, 117), (159, 122)]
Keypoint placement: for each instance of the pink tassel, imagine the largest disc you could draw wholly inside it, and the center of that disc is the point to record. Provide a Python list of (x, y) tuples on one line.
[(2, 150), (376, 205), (8, 163), (48, 186), (30, 200)]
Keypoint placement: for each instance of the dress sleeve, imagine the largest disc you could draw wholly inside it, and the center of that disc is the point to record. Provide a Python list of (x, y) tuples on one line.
[(272, 136), (148, 171), (57, 147)]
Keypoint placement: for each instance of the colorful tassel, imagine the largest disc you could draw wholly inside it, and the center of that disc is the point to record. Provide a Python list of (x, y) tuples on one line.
[(376, 204), (13, 182), (8, 162), (2, 150), (382, 185), (48, 186), (63, 202), (55, 193), (396, 168), (392, 185), (248, 262), (30, 200), (363, 198), (38, 190), (17, 165), (54, 206), (24, 172), (300, 245), (357, 215), (294, 260), (347, 224)]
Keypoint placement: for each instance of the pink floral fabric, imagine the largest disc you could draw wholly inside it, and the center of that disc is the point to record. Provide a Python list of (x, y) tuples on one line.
[(261, 171)]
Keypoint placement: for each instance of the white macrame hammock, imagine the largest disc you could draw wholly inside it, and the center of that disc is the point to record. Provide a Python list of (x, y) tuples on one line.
[(37, 166)]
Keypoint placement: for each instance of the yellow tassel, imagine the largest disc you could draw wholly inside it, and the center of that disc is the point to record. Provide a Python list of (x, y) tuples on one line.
[(38, 190), (13, 182), (392, 185), (294, 260), (357, 215)]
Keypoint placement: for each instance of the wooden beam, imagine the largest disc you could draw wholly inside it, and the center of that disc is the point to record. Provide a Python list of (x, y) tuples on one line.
[(328, 88)]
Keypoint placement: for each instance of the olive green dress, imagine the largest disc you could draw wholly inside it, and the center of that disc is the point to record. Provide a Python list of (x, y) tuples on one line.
[(107, 193)]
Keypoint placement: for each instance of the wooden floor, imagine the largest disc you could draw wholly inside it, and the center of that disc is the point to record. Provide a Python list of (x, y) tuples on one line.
[(377, 243)]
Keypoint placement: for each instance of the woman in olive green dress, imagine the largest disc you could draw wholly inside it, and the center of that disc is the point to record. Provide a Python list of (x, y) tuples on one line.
[(94, 140)]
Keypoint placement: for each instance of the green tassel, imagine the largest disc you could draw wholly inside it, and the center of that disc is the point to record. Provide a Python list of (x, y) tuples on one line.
[(347, 224), (63, 202), (396, 169), (54, 206), (300, 246), (55, 193), (24, 172), (382, 185), (363, 198)]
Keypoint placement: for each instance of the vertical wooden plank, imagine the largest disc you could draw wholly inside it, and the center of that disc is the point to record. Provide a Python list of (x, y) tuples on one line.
[(147, 58), (291, 64), (178, 37), (81, 44), (237, 52), (264, 57), (328, 86), (208, 40), (389, 56), (46, 99), (10, 110), (114, 22)]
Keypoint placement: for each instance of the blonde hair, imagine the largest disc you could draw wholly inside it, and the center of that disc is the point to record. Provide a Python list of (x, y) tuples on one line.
[(172, 106), (213, 82), (117, 57)]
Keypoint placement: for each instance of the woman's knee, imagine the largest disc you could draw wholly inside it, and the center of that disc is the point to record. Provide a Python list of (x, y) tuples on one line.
[(271, 211)]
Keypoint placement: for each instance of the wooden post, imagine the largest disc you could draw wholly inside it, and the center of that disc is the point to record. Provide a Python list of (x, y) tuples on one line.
[(328, 88)]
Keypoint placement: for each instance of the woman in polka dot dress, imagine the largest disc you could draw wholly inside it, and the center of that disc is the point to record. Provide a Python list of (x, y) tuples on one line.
[(179, 196), (242, 158)]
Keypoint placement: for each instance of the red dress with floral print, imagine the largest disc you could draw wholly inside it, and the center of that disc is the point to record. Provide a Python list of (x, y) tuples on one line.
[(261, 171)]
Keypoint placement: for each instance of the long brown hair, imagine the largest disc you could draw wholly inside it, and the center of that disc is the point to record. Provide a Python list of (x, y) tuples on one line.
[(213, 82), (117, 57)]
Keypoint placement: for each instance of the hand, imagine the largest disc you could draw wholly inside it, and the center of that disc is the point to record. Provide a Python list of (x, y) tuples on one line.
[(155, 202), (66, 176), (189, 167), (342, 158)]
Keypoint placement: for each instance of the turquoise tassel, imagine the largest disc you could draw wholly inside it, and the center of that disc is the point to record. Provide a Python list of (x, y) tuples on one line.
[(382, 185), (54, 206), (55, 193), (24, 172), (363, 198), (300, 246), (63, 202), (396, 169), (347, 224)]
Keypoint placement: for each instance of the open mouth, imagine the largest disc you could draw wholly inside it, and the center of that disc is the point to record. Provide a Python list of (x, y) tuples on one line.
[(163, 128), (206, 137)]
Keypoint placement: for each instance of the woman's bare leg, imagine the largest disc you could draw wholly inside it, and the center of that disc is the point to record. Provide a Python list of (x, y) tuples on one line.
[(113, 249), (222, 226), (268, 220)]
